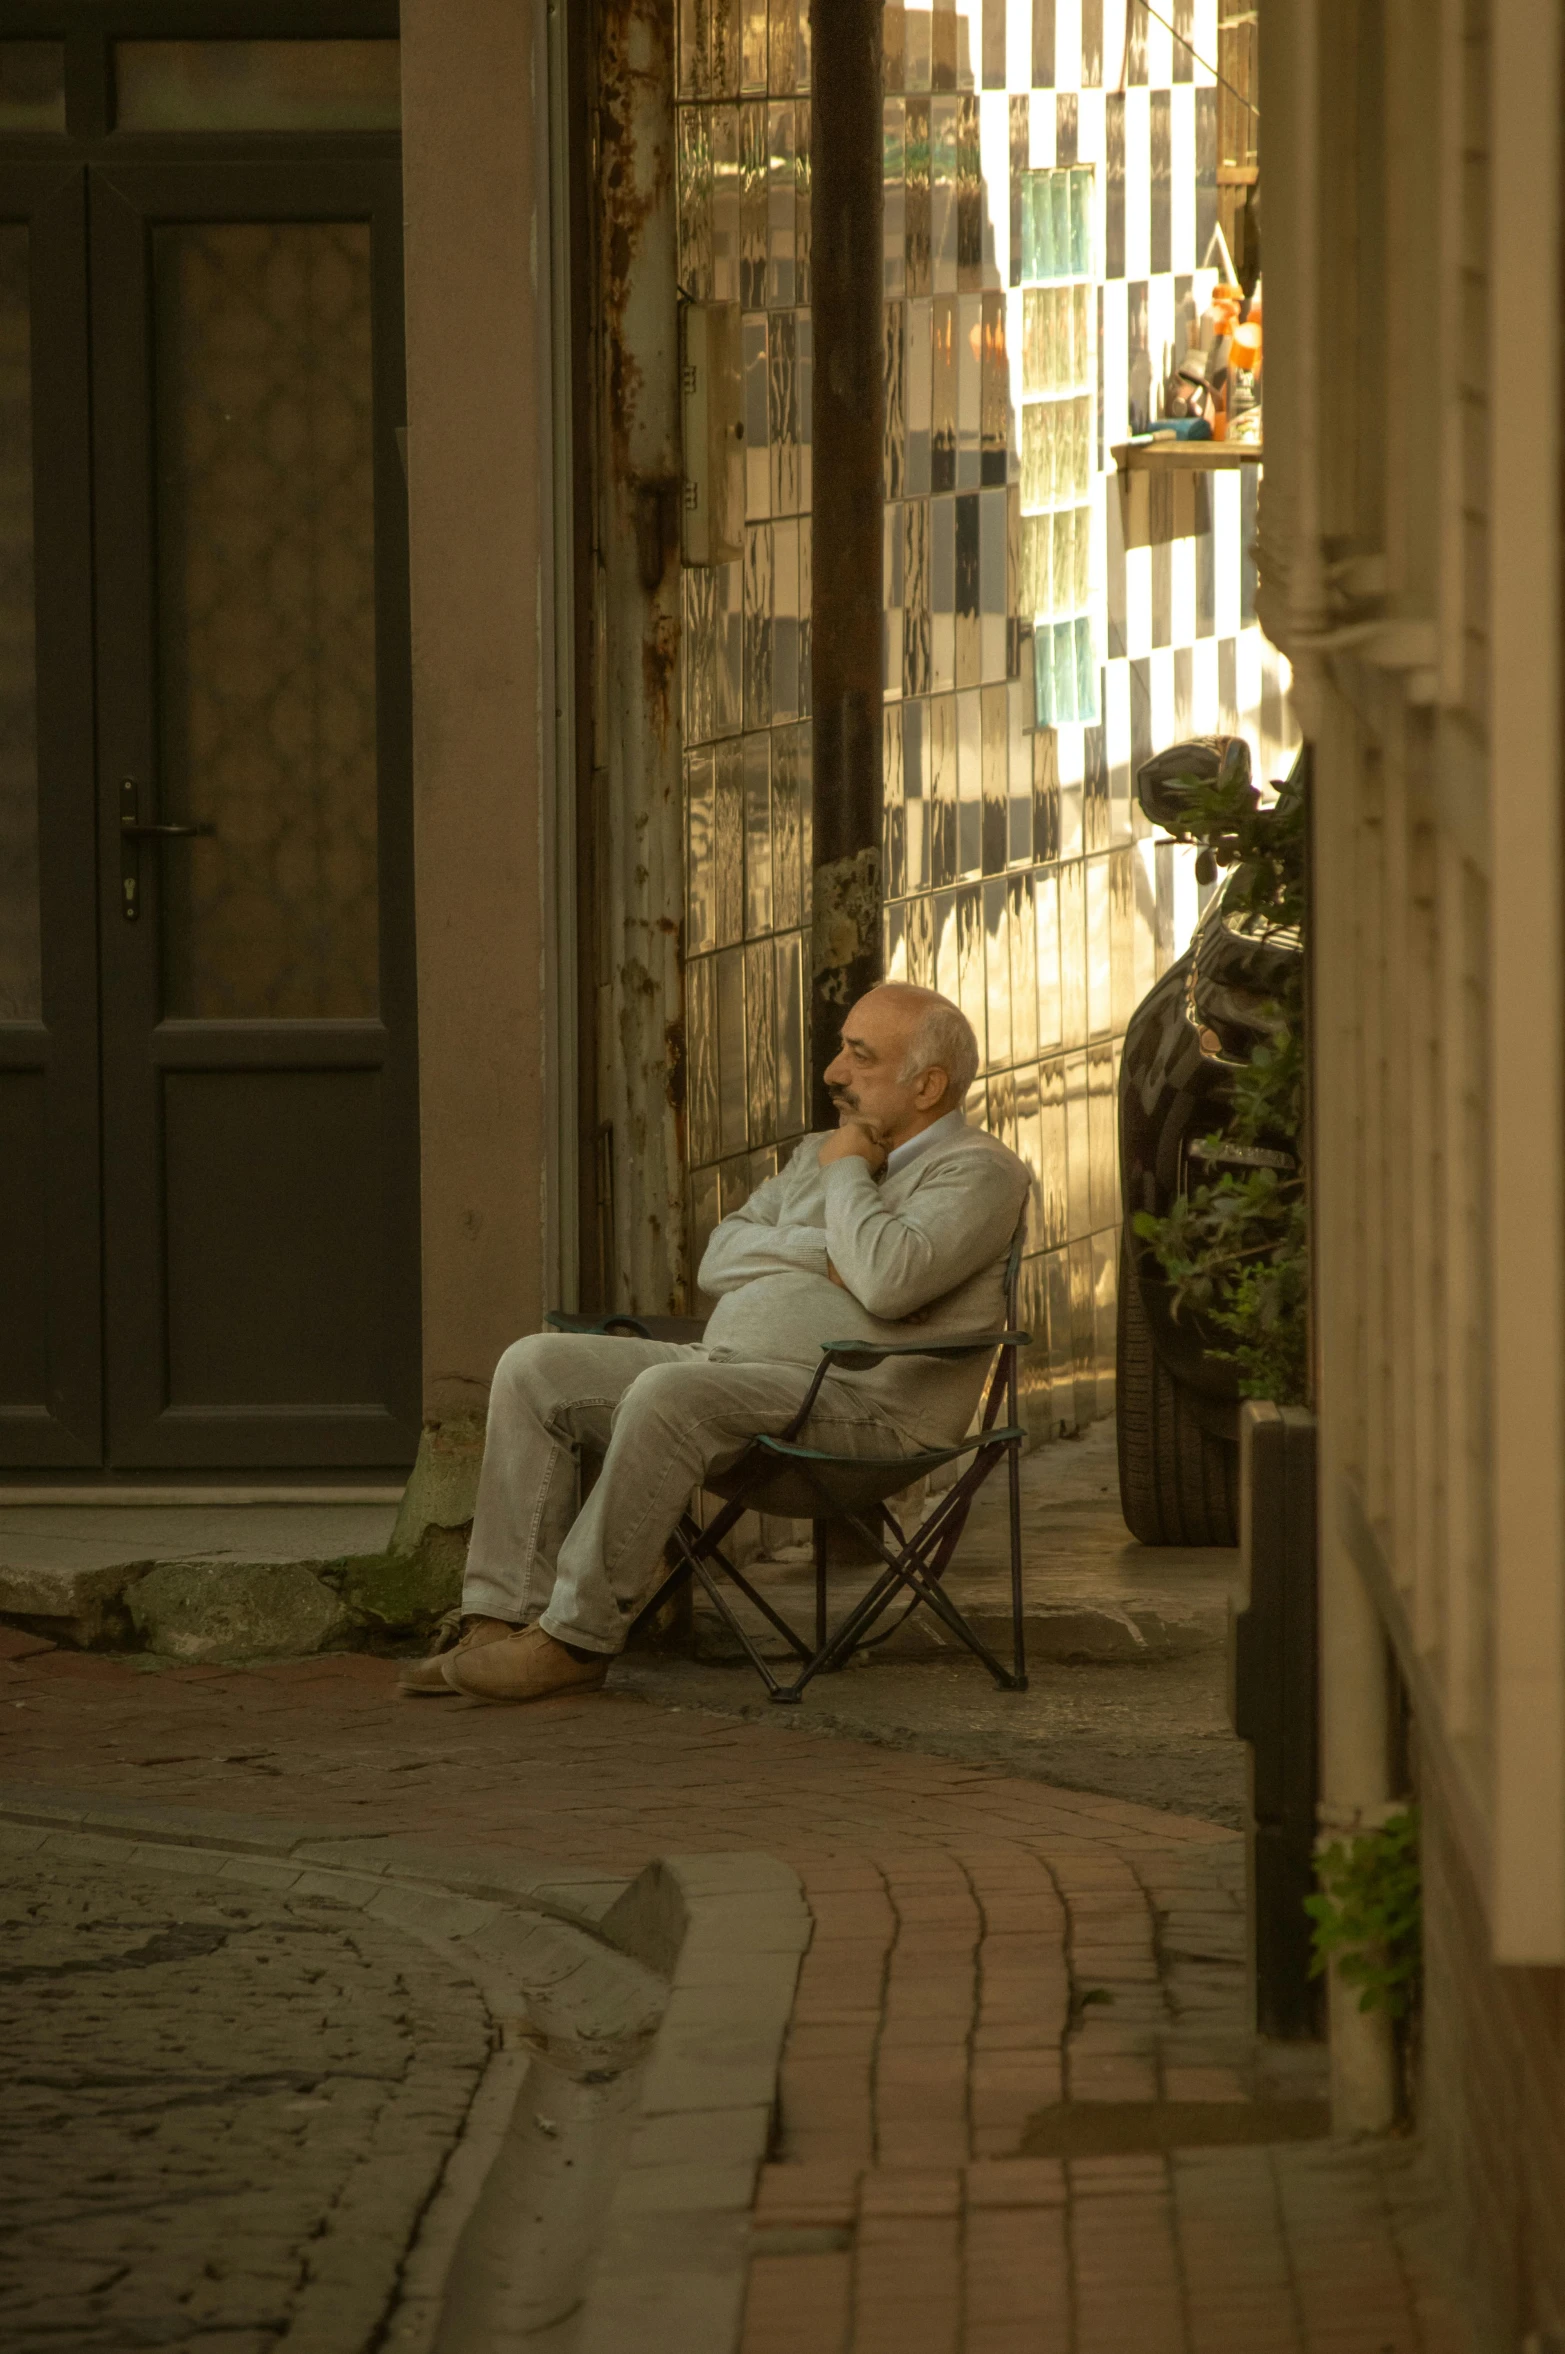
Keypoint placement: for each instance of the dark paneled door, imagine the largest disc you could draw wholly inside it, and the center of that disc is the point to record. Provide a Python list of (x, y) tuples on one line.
[(205, 820), (254, 843)]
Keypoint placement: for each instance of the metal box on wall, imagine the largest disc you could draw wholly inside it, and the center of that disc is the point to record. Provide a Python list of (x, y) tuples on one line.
[(712, 421), (1274, 1668)]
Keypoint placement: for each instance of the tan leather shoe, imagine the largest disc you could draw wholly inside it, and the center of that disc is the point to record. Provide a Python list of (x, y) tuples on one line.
[(526, 1664), (424, 1679)]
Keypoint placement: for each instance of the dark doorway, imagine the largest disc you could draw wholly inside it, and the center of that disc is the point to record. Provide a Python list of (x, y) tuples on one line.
[(208, 1111)]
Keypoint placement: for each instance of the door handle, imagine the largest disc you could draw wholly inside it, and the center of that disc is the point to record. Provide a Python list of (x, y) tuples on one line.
[(134, 830)]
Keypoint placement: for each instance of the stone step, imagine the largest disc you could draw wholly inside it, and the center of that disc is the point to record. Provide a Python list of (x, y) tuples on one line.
[(202, 1582)]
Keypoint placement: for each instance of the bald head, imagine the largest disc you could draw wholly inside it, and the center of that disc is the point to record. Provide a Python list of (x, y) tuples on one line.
[(908, 1057), (940, 1036)]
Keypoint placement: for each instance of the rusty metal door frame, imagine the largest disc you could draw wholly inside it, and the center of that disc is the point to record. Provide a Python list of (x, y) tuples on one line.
[(557, 102), (847, 196), (632, 867)]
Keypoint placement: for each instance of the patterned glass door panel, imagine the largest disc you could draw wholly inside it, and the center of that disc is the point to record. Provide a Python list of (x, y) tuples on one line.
[(266, 618)]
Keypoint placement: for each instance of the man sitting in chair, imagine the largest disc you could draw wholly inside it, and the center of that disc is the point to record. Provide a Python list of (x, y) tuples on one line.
[(896, 1223)]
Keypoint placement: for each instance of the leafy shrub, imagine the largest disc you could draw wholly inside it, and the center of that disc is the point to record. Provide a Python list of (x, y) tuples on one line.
[(1236, 1247), (1368, 1915)]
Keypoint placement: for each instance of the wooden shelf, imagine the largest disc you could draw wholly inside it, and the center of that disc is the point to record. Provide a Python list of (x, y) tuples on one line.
[(1185, 457)]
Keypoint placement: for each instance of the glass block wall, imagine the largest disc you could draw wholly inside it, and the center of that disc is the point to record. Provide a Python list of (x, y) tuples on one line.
[(1050, 200), (743, 140), (1058, 440)]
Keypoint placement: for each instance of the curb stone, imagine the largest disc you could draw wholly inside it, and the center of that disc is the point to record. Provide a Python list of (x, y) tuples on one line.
[(1106, 1634), (205, 1610), (674, 2255), (689, 1969)]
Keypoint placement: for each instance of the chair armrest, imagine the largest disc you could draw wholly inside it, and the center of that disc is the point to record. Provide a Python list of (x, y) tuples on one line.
[(858, 1355), (678, 1329)]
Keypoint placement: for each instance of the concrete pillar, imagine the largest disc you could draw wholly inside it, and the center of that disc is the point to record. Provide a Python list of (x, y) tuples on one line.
[(476, 200), (1355, 1795), (1355, 1732)]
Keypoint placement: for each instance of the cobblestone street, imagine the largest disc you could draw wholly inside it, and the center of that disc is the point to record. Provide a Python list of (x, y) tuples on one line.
[(1019, 2107), (226, 2108)]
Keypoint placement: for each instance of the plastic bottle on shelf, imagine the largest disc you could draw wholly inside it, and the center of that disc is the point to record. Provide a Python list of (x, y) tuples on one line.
[(1244, 373), (1222, 317)]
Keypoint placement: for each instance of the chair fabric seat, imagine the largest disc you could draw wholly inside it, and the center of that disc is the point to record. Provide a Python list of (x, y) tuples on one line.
[(805, 1484)]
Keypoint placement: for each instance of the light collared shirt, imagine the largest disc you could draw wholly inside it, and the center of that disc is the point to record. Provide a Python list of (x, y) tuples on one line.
[(936, 1133)]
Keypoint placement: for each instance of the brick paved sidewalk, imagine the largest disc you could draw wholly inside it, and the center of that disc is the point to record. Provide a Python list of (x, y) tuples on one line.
[(1019, 2108)]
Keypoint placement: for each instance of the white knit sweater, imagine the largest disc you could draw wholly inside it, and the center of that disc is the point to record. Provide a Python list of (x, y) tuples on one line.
[(922, 1251)]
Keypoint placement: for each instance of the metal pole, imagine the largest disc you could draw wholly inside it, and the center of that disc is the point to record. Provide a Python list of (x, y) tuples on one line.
[(845, 613), (1013, 1473)]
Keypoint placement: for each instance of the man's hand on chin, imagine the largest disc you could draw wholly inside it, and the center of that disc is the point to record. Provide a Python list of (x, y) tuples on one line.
[(854, 1140)]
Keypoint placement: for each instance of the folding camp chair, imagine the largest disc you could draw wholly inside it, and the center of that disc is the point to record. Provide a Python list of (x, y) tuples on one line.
[(778, 1475)]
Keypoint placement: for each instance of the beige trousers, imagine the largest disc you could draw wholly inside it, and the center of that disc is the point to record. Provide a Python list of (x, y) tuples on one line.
[(663, 1416)]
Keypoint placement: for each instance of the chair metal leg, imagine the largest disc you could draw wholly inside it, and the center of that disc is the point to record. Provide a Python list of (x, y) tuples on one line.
[(839, 1648), (696, 1546), (1018, 1634), (946, 1611), (921, 1578), (795, 1643), (649, 1610), (683, 1535), (1014, 1474), (774, 1685), (819, 1530), (834, 1651)]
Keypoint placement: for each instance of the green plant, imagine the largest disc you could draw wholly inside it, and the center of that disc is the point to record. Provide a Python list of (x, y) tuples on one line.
[(1368, 1914), (1235, 1247)]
